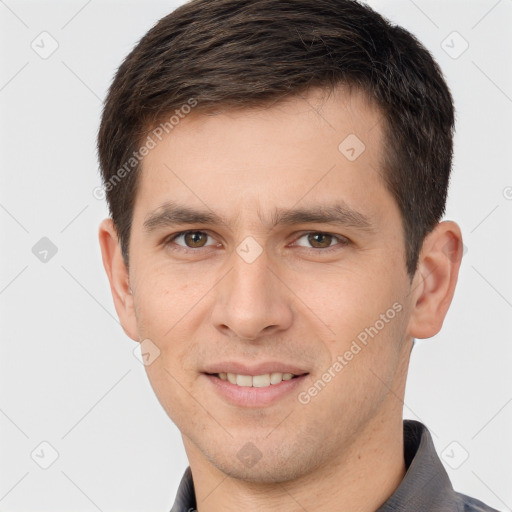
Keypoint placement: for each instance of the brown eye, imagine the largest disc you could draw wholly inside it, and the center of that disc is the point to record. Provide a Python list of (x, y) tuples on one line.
[(320, 240), (195, 239), (190, 240)]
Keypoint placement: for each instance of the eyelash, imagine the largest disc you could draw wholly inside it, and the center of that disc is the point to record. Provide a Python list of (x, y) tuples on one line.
[(343, 241)]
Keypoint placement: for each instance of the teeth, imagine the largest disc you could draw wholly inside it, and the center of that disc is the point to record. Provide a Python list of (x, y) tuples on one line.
[(244, 380), (276, 378), (258, 381)]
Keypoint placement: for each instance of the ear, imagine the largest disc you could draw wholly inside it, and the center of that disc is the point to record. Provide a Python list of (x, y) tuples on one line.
[(118, 277), (434, 283)]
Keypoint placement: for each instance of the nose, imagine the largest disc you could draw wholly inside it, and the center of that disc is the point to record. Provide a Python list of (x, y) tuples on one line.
[(252, 301)]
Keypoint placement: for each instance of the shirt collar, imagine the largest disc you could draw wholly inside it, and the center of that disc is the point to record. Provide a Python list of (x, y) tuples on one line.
[(425, 487), (185, 500)]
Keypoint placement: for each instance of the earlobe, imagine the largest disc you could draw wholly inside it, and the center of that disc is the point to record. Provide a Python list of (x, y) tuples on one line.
[(118, 277), (434, 284)]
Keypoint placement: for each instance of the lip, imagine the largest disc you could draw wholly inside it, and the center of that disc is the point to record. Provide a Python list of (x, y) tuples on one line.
[(254, 369), (254, 397)]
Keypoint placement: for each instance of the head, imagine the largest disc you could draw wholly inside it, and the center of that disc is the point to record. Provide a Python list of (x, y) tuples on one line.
[(253, 123)]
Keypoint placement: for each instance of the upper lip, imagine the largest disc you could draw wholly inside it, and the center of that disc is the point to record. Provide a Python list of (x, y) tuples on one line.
[(253, 369)]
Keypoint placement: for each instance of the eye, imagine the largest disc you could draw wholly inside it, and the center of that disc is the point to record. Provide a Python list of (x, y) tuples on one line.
[(318, 241), (191, 239), (321, 240)]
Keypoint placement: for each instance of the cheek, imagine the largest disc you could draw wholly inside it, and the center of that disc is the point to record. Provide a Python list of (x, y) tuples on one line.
[(166, 295), (370, 327), (162, 315), (352, 305), (169, 388), (360, 375)]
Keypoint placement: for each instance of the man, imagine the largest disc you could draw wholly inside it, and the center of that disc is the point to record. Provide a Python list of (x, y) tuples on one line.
[(276, 173)]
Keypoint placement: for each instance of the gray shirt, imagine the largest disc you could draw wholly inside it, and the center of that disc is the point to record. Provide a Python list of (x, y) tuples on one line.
[(425, 487)]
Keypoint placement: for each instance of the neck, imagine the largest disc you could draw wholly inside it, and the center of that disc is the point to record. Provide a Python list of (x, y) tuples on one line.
[(360, 479)]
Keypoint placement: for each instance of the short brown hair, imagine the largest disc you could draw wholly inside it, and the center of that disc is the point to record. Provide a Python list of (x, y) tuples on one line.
[(248, 53)]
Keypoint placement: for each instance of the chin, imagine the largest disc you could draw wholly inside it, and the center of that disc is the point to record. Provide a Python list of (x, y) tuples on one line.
[(264, 473), (270, 464)]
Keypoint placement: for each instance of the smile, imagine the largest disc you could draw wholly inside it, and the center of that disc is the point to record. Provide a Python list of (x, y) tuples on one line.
[(255, 390), (256, 381)]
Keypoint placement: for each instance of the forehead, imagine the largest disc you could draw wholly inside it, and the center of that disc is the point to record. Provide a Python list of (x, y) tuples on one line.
[(309, 149)]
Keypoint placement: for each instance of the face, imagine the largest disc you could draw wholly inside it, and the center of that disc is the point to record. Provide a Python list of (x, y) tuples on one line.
[(297, 261)]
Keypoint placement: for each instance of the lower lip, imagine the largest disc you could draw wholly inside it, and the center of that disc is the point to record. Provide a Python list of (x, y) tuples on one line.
[(246, 396)]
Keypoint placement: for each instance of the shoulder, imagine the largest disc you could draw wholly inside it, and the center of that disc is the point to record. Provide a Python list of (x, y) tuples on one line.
[(468, 504)]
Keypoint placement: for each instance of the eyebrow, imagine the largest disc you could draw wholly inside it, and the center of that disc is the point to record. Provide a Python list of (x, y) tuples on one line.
[(171, 213)]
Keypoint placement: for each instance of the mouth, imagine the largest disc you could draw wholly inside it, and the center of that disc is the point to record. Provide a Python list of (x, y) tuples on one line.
[(255, 381), (249, 391)]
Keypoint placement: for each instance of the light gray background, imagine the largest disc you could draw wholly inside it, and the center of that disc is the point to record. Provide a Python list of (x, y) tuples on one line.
[(68, 374)]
